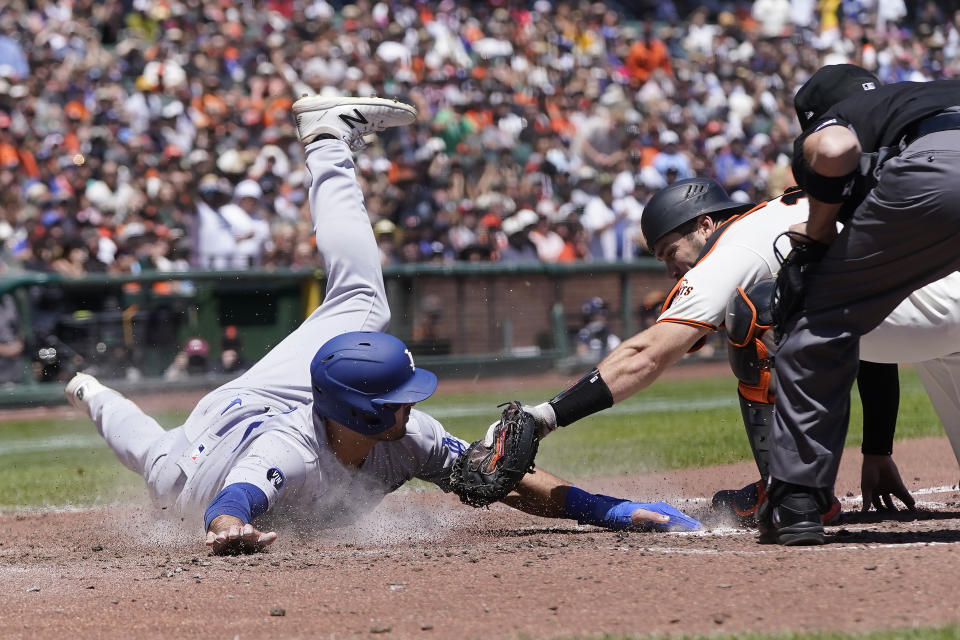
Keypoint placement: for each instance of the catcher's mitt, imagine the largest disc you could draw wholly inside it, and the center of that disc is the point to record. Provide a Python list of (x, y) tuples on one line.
[(791, 286), (490, 468)]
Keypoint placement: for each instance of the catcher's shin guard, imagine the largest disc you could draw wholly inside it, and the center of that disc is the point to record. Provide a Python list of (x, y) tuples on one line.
[(757, 420), (743, 503), (747, 320)]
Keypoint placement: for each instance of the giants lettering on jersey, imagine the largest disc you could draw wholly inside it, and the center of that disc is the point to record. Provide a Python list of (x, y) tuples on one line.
[(684, 288)]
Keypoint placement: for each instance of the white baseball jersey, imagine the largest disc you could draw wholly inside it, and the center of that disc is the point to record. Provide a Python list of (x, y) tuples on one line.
[(741, 253), (924, 329), (925, 325)]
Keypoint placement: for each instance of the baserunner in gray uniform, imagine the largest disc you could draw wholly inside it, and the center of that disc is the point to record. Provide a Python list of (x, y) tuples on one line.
[(886, 162), (321, 436)]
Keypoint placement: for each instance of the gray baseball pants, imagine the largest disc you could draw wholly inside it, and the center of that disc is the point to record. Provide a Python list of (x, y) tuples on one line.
[(904, 235)]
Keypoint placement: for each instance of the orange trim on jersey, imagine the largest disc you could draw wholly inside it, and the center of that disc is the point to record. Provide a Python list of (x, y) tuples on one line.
[(721, 229), (670, 296), (724, 226), (691, 323)]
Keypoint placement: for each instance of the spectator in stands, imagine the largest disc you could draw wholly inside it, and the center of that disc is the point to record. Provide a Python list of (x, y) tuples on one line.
[(119, 124), (646, 56), (594, 339), (519, 249), (216, 234), (231, 352), (548, 242), (191, 361), (252, 245), (599, 220), (672, 159), (732, 167), (11, 342)]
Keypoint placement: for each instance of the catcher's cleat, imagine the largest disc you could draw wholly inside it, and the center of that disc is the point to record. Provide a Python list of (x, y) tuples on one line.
[(348, 119), (743, 504), (832, 516), (81, 388)]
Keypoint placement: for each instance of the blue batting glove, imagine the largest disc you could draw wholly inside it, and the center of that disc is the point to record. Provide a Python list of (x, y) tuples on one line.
[(621, 516), (615, 513)]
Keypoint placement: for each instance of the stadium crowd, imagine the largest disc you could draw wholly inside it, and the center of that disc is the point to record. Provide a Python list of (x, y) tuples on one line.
[(156, 135)]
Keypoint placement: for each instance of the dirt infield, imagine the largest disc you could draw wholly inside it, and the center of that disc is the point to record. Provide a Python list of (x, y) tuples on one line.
[(424, 566)]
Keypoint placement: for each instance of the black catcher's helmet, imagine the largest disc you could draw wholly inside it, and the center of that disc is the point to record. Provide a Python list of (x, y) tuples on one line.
[(683, 201)]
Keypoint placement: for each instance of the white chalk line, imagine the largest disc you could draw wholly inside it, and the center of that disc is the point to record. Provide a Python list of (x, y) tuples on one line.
[(845, 500), (51, 443), (773, 549)]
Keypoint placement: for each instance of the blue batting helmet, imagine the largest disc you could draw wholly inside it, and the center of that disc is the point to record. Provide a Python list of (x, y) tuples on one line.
[(357, 376)]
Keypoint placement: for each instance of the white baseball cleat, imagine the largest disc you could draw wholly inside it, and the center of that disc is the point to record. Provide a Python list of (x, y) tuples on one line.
[(81, 388), (348, 119)]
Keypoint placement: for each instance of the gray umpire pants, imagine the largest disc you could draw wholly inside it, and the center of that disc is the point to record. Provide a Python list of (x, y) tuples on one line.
[(904, 235)]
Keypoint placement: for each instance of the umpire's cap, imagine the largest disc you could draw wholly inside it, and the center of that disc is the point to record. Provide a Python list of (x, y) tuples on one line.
[(828, 86), (683, 201)]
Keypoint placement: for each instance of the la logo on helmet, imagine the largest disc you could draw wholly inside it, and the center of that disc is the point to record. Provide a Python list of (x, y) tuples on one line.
[(410, 355)]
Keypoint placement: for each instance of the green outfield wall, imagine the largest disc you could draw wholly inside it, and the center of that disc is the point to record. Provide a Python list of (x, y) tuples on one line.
[(463, 319)]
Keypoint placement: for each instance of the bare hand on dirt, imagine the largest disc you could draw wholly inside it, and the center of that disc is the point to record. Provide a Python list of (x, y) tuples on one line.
[(230, 536)]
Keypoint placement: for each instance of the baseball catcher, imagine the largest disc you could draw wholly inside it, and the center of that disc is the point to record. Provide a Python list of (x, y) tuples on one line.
[(719, 249)]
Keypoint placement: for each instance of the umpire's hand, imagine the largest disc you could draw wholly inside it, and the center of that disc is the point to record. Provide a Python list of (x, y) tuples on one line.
[(228, 535), (880, 481)]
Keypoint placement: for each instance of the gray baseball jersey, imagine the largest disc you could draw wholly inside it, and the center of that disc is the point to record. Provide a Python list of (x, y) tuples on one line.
[(287, 455), (260, 428)]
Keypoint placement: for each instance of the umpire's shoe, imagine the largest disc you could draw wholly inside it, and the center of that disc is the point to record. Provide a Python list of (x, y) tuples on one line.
[(81, 388), (348, 119), (792, 514), (743, 504)]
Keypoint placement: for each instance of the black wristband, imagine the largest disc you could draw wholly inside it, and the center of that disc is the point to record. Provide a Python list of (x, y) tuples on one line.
[(879, 386), (589, 395), (831, 190)]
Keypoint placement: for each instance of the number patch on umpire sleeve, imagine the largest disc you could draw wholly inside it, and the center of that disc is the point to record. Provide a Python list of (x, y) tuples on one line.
[(275, 476)]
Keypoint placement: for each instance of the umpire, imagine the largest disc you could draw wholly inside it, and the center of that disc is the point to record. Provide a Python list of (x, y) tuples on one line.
[(885, 161)]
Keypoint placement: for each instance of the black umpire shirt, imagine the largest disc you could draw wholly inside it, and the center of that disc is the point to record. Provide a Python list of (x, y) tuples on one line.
[(880, 119)]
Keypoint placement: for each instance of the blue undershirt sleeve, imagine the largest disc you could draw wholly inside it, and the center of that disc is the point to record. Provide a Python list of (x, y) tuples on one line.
[(242, 500)]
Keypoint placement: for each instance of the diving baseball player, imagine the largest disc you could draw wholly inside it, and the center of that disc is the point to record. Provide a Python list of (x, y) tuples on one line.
[(320, 436)]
